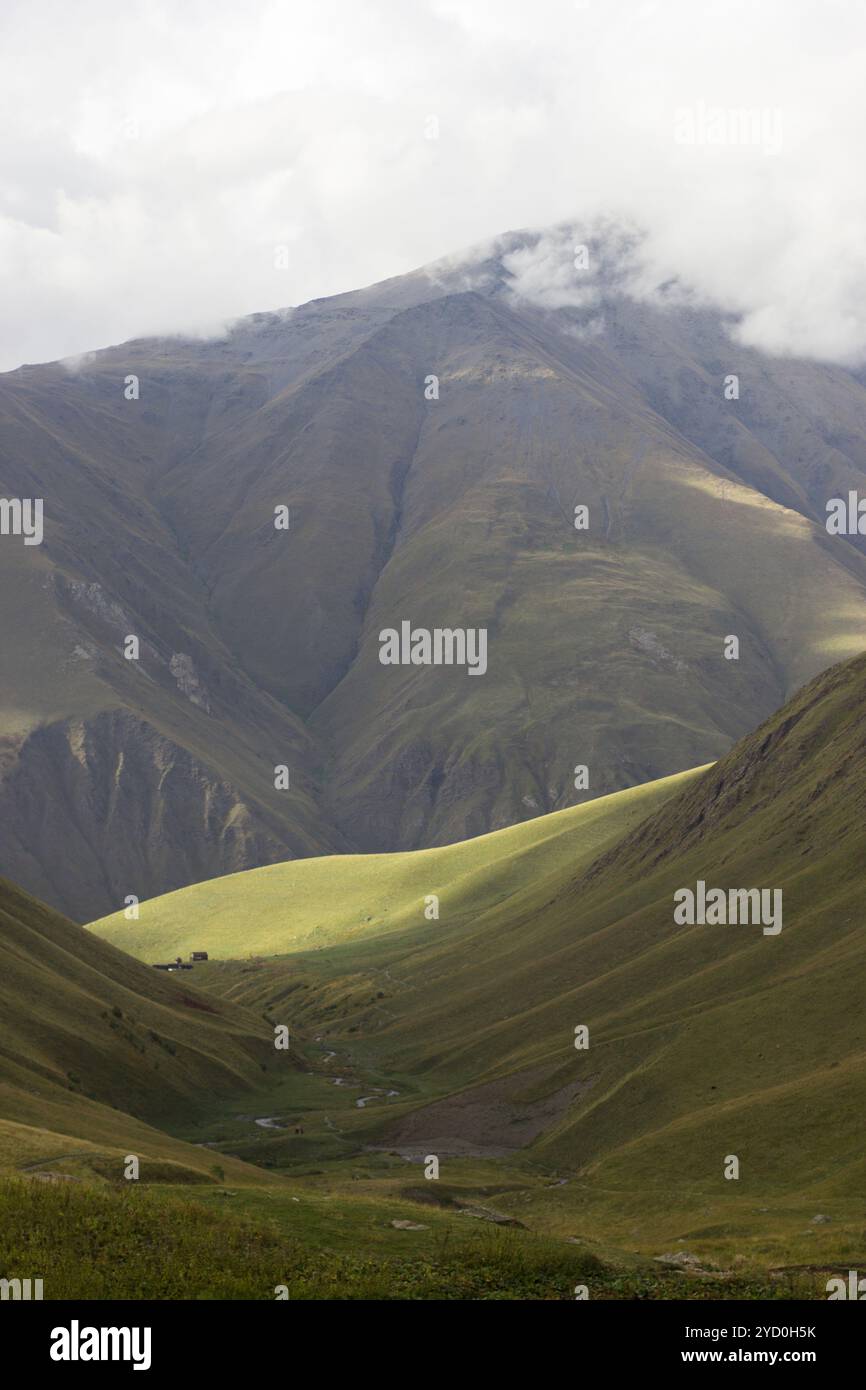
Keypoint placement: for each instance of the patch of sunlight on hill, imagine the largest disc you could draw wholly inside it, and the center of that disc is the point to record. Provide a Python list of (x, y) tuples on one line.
[(312, 902)]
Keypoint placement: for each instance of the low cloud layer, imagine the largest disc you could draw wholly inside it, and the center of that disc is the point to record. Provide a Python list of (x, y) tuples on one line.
[(165, 168)]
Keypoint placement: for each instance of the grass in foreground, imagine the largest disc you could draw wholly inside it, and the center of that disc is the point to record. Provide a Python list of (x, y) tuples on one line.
[(100, 1243)]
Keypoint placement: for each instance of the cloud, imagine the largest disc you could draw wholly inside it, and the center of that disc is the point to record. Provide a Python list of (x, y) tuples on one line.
[(169, 167)]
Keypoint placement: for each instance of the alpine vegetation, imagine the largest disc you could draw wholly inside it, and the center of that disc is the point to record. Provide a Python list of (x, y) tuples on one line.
[(444, 646), (716, 907)]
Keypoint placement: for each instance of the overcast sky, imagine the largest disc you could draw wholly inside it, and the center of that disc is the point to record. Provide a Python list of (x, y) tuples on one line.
[(168, 166)]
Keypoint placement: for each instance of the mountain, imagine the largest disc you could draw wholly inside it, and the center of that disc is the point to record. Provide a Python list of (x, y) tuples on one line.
[(96, 1050), (704, 1041), (558, 388)]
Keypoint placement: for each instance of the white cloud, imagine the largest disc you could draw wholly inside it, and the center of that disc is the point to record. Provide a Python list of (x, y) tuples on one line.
[(154, 155)]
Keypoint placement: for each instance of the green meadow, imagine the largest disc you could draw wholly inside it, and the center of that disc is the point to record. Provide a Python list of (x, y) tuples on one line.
[(510, 1072)]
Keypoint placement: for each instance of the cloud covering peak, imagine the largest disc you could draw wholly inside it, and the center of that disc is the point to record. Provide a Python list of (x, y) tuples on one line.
[(165, 169)]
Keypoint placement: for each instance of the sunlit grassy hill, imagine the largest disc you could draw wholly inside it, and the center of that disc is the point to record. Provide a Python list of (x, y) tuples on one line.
[(304, 904), (704, 1041)]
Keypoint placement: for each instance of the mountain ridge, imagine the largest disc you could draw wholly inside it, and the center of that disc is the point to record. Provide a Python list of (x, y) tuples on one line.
[(259, 646)]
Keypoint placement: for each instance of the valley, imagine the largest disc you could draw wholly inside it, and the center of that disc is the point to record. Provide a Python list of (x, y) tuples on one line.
[(432, 680), (554, 1063), (569, 955)]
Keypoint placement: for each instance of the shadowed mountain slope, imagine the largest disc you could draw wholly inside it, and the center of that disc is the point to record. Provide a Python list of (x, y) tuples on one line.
[(95, 1048), (259, 647)]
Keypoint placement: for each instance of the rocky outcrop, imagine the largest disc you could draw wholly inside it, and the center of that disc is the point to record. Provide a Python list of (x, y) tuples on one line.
[(93, 811)]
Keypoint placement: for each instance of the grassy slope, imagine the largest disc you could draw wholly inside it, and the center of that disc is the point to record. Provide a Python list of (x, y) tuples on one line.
[(311, 903), (132, 1245), (95, 1048), (705, 1041)]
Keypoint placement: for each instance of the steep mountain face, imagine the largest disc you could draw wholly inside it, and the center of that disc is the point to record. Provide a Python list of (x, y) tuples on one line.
[(129, 809), (447, 504), (119, 776)]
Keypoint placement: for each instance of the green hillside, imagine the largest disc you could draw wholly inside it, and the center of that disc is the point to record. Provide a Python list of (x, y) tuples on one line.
[(453, 1038), (310, 903), (704, 1041), (97, 1244), (85, 1078), (97, 1052)]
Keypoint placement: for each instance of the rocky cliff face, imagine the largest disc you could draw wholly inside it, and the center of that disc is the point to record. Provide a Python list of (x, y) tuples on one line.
[(100, 809)]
